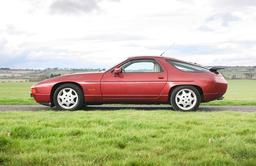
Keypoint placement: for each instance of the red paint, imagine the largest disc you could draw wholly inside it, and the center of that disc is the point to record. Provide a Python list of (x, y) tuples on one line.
[(114, 86)]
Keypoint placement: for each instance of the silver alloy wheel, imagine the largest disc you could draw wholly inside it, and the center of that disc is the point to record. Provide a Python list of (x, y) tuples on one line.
[(186, 99), (67, 98)]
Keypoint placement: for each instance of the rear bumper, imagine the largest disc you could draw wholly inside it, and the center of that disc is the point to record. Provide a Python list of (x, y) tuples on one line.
[(219, 90)]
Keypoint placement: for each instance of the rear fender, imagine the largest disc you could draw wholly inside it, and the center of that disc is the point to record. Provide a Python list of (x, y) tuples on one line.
[(167, 90)]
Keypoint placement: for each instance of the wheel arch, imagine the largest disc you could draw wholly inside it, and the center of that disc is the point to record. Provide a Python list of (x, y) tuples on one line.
[(55, 86), (200, 90)]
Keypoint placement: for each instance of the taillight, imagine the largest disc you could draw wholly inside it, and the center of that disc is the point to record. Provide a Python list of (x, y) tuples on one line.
[(33, 90)]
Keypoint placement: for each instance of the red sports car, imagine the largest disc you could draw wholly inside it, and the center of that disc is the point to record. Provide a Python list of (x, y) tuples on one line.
[(143, 79)]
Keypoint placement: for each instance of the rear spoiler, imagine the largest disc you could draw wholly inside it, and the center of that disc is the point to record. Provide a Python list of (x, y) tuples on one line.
[(215, 69)]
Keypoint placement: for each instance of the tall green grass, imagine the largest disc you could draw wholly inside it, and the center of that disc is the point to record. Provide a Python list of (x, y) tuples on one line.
[(127, 137)]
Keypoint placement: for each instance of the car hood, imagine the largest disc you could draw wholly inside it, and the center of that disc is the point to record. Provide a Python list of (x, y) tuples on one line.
[(77, 77)]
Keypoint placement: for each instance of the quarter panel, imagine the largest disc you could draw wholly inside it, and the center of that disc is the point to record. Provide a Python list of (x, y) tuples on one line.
[(205, 80)]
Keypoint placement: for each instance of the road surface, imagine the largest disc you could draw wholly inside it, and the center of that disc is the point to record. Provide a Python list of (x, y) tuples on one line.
[(136, 107)]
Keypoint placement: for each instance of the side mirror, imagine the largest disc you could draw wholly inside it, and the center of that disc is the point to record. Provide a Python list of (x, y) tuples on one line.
[(117, 71)]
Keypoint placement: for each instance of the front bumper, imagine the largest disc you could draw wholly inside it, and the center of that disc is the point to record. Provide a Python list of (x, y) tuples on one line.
[(41, 98)]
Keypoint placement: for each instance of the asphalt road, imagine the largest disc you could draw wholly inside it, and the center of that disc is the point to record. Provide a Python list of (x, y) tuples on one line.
[(120, 107)]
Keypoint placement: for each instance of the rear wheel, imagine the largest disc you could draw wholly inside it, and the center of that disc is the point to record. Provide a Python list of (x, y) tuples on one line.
[(68, 97), (185, 98)]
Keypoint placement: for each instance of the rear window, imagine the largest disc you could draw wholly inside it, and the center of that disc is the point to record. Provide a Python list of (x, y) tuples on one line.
[(187, 66)]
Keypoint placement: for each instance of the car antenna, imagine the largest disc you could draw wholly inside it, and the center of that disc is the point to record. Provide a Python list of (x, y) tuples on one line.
[(167, 49)]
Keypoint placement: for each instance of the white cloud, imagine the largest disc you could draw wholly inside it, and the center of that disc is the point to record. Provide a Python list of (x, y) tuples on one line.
[(74, 6), (100, 33), (235, 3)]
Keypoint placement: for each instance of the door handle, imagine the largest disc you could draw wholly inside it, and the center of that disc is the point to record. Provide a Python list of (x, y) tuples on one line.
[(160, 77)]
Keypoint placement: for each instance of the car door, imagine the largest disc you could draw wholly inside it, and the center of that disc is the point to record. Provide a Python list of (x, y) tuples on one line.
[(139, 81)]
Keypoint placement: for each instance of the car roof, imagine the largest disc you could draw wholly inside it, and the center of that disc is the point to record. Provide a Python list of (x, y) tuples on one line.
[(144, 57)]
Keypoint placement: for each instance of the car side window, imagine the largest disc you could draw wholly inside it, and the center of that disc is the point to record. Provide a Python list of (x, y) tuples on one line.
[(188, 67), (144, 66)]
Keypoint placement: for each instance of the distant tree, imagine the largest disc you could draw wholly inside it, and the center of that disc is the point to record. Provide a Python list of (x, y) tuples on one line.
[(54, 75), (233, 77), (5, 68), (248, 75)]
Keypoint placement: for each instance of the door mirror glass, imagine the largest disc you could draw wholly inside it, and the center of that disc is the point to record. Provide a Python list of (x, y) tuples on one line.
[(117, 70)]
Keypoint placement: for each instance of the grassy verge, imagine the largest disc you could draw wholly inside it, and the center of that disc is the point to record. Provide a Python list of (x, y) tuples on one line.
[(127, 137), (231, 103), (240, 92), (15, 93), (16, 101)]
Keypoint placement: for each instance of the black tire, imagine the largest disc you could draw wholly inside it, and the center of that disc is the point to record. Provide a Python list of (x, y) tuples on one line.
[(179, 107), (80, 97)]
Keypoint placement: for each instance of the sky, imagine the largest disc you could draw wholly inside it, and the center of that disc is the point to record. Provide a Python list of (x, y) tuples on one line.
[(101, 33)]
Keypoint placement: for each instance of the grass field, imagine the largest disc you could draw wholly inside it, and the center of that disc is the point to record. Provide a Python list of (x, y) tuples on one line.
[(240, 92), (15, 93), (127, 137)]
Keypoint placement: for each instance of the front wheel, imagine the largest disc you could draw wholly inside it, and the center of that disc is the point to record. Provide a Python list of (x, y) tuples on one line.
[(185, 98), (68, 97)]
